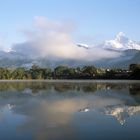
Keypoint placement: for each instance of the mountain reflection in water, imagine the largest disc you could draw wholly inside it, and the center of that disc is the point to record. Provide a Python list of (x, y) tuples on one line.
[(41, 110)]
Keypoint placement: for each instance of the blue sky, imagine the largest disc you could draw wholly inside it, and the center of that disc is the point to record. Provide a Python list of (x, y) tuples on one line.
[(96, 20)]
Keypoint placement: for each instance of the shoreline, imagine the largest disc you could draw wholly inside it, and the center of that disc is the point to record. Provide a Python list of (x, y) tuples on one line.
[(76, 81)]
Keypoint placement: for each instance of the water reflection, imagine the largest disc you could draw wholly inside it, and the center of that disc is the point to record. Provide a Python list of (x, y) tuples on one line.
[(50, 110)]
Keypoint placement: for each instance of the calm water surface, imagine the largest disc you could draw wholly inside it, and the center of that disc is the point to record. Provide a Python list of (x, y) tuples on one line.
[(69, 111)]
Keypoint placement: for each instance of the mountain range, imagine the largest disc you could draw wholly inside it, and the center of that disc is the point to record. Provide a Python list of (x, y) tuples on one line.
[(129, 53)]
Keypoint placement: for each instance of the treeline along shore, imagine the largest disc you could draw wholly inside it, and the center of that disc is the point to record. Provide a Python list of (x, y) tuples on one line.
[(65, 72)]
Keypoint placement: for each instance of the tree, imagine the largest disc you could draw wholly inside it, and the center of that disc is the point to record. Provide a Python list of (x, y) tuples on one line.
[(60, 72), (110, 73), (89, 71), (132, 67), (18, 73), (46, 73), (135, 71), (5, 73), (36, 72)]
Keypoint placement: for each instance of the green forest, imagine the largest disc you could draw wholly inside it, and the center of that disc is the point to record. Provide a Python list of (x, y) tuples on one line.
[(65, 72)]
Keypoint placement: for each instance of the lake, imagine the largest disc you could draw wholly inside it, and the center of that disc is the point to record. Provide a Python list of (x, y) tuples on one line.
[(70, 110)]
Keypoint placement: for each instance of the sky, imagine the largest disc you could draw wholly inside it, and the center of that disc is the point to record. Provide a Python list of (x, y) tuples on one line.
[(93, 20)]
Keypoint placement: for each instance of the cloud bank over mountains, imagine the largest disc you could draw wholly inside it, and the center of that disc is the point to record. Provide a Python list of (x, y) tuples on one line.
[(50, 43), (53, 40), (47, 38)]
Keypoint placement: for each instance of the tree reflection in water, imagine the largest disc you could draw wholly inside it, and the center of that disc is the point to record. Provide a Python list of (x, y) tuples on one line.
[(51, 109)]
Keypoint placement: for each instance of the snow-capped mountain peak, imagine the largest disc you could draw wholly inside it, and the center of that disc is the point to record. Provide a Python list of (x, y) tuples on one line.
[(121, 37), (121, 42)]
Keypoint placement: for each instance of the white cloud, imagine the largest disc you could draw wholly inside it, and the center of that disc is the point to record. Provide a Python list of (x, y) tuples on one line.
[(53, 39)]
